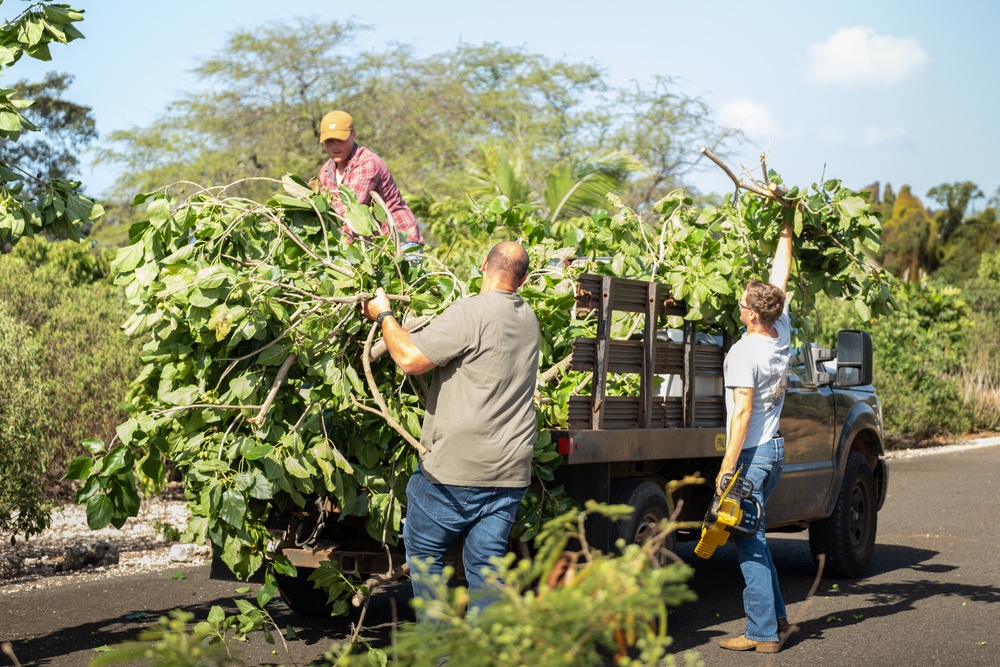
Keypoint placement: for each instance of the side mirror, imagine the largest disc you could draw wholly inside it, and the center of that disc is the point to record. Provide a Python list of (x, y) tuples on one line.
[(854, 358)]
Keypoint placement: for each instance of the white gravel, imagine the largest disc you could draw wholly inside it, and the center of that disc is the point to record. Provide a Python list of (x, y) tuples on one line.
[(974, 443), (37, 562)]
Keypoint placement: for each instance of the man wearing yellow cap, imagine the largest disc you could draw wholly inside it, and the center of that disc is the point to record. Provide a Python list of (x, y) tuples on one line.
[(363, 172)]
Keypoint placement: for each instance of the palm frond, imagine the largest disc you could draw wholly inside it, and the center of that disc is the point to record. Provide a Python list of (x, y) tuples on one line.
[(499, 172), (577, 188)]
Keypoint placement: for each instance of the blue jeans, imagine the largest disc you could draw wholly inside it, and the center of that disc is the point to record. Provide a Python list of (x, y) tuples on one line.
[(438, 514), (762, 599)]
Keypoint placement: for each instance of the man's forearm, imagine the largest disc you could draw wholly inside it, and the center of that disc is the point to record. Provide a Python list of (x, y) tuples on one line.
[(734, 443), (739, 422), (402, 350), (781, 265)]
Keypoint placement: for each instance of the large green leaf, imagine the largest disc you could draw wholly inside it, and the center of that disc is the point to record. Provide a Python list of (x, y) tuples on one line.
[(233, 508), (128, 258), (99, 512)]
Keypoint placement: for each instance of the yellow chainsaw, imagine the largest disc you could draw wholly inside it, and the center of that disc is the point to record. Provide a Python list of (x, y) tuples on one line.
[(727, 515)]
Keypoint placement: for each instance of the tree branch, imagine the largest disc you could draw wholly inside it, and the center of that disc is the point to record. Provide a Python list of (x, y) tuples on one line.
[(377, 395), (557, 369), (279, 380), (202, 406), (770, 192)]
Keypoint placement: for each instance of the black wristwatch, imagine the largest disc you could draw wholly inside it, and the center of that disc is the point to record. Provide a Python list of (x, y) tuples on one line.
[(381, 316)]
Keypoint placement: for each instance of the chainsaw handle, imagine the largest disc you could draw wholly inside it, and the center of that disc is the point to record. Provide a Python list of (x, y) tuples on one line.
[(758, 513)]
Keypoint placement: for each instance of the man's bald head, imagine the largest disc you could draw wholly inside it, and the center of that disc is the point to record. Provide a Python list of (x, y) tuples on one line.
[(510, 258), (507, 265)]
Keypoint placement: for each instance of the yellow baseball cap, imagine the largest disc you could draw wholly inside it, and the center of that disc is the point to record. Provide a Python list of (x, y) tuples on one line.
[(336, 125)]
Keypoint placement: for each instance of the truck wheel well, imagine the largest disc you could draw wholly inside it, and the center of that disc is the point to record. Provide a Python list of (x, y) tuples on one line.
[(867, 444)]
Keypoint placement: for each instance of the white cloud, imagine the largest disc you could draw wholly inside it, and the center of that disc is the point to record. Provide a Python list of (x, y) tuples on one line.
[(752, 118), (858, 56)]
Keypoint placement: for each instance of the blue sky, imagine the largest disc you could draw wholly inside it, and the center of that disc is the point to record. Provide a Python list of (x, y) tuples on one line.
[(901, 92)]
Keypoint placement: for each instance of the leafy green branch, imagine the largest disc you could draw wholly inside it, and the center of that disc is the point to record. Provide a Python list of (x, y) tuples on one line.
[(53, 205)]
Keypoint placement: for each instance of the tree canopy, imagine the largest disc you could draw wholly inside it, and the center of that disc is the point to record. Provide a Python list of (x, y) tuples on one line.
[(266, 90), (65, 128), (31, 201)]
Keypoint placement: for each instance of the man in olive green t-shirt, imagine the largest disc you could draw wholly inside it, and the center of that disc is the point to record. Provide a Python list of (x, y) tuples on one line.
[(479, 426)]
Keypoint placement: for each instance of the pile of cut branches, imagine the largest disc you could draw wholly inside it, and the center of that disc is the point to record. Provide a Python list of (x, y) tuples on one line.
[(264, 386)]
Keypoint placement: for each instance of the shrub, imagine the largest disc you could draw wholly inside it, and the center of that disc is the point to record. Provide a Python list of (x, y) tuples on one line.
[(567, 606), (918, 359), (61, 292), (23, 417), (89, 364), (564, 607), (980, 374)]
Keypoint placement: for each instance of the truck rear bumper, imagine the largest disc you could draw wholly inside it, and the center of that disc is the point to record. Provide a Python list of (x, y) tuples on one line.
[(618, 445)]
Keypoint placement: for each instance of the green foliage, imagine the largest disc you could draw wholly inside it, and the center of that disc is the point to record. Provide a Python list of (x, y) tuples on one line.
[(428, 116), (704, 258), (23, 415), (955, 198), (661, 128), (257, 384), (169, 643), (946, 244), (559, 608), (562, 607), (65, 130), (52, 204), (61, 292), (67, 264), (980, 375), (906, 238), (959, 257), (917, 353), (167, 531)]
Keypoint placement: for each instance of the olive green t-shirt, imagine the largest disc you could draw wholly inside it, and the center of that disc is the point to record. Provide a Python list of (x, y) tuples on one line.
[(480, 425)]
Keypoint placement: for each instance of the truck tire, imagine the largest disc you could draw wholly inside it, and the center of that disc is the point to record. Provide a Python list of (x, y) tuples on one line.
[(650, 509), (301, 596), (847, 536)]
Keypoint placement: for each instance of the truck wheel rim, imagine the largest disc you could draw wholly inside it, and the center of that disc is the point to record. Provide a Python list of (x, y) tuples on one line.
[(859, 518), (648, 528)]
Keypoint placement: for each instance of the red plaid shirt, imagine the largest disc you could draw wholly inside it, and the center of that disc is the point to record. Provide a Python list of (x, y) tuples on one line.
[(367, 173)]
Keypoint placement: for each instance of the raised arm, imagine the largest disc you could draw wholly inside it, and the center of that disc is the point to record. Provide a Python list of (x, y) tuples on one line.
[(781, 265)]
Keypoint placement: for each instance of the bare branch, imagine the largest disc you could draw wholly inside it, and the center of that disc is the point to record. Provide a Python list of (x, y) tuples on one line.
[(279, 380), (752, 187), (197, 406), (377, 395), (377, 580), (552, 373), (556, 370)]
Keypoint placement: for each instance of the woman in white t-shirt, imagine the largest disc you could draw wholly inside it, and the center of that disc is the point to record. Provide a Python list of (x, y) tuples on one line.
[(756, 373)]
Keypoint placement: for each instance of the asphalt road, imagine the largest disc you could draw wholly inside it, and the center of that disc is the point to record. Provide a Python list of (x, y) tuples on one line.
[(930, 597)]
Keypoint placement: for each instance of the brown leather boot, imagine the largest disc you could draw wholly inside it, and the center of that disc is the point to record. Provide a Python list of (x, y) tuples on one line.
[(741, 643)]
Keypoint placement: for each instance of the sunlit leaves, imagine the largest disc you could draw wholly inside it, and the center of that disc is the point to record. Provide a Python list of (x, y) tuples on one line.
[(254, 387), (55, 205)]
